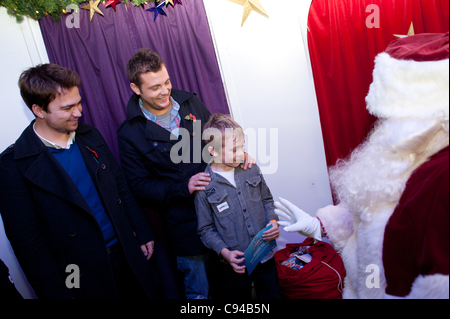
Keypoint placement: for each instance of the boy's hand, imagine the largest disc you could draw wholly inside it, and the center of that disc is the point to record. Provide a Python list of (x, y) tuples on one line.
[(248, 162), (198, 181), (272, 233), (232, 258)]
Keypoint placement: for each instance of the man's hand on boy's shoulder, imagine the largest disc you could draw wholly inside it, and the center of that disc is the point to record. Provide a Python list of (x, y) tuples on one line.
[(198, 182), (249, 162)]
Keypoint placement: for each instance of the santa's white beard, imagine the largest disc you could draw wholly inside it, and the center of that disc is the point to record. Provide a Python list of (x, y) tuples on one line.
[(377, 171)]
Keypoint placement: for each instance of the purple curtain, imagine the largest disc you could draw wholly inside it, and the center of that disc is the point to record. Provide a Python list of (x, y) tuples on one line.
[(100, 49)]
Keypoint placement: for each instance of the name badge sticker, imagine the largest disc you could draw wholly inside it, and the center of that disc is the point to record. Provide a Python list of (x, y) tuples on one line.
[(223, 207)]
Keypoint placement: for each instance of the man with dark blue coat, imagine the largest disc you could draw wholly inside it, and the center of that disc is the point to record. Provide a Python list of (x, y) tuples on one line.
[(160, 147), (75, 227)]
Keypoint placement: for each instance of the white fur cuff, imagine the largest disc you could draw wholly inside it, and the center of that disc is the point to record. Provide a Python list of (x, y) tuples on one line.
[(338, 224), (428, 287)]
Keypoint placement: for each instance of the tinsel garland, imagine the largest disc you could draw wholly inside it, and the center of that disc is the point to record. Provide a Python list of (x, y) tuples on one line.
[(36, 9)]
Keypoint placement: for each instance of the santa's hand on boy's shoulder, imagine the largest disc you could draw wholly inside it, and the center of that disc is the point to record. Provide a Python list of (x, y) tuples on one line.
[(296, 220)]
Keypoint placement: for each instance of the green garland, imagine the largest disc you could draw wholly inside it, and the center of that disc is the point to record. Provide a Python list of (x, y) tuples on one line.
[(36, 9)]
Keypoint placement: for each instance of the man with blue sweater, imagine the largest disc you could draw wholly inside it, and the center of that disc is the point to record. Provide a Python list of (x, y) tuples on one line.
[(74, 225)]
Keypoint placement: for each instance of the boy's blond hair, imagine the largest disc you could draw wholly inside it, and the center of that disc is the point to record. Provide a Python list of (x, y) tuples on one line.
[(218, 128)]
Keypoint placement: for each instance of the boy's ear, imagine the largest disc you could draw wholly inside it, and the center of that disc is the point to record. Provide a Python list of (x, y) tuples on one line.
[(135, 88), (212, 151)]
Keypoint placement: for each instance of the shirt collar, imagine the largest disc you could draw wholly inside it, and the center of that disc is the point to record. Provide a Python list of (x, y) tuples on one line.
[(54, 145), (152, 117)]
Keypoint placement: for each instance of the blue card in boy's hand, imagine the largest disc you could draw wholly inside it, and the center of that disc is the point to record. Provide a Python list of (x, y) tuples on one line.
[(258, 249)]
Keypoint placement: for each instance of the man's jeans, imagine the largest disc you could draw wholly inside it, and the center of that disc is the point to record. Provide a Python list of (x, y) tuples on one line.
[(195, 279)]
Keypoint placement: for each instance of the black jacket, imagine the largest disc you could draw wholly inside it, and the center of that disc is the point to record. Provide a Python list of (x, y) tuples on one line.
[(7, 288), (157, 180), (50, 225)]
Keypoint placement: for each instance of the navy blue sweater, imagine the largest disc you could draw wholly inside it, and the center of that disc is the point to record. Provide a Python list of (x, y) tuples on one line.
[(72, 161)]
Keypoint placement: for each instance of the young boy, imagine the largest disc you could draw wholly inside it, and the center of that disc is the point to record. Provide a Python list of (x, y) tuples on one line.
[(235, 206)]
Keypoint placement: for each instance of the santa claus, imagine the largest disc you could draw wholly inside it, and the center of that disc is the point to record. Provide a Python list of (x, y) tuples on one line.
[(391, 226)]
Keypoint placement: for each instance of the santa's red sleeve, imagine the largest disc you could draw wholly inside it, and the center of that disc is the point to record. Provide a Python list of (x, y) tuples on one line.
[(416, 241)]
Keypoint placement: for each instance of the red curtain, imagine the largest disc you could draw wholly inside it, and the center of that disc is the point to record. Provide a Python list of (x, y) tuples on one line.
[(343, 48)]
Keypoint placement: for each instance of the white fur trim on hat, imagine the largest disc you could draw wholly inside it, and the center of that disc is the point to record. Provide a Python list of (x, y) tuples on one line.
[(412, 89)]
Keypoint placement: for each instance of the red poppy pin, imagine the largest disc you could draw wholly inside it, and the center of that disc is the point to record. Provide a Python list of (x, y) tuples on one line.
[(191, 117), (94, 153)]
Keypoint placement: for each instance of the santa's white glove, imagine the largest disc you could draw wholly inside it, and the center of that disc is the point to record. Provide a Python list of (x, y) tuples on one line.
[(296, 220)]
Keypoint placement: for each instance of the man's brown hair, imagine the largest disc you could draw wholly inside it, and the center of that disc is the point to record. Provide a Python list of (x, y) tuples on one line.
[(143, 61), (39, 85)]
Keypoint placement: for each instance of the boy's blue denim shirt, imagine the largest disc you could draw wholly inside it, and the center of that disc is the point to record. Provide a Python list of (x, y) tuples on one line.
[(230, 217)]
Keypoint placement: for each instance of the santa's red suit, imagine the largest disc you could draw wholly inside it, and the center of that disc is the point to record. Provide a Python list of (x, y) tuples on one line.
[(416, 242), (393, 220), (391, 227)]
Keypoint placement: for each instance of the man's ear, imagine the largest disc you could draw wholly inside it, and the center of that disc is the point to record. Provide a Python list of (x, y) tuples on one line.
[(135, 88), (37, 111)]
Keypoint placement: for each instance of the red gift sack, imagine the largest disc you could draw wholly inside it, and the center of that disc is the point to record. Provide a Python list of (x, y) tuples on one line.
[(321, 278)]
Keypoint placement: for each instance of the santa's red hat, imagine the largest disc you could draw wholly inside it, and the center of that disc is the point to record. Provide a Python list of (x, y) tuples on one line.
[(411, 78)]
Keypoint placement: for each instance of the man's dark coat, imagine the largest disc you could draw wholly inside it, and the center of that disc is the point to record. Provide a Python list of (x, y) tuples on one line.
[(50, 225), (155, 174)]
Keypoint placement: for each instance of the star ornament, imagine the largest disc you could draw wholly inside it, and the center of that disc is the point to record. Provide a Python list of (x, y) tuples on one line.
[(112, 3), (249, 6), (410, 32), (158, 9), (93, 8), (173, 2)]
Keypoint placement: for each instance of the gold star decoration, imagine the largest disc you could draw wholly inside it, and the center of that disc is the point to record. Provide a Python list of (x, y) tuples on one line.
[(410, 32), (93, 7), (169, 1), (250, 5)]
